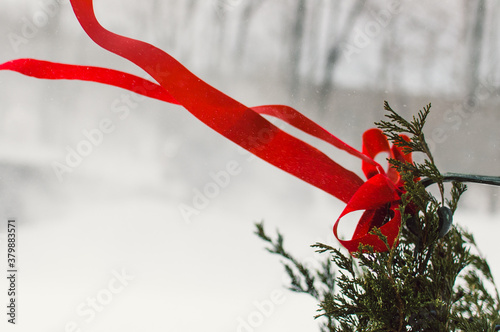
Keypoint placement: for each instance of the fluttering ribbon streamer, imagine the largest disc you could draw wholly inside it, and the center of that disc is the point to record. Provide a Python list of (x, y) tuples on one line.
[(245, 126)]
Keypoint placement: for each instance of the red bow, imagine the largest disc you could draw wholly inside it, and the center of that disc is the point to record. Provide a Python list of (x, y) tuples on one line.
[(245, 126), (379, 196)]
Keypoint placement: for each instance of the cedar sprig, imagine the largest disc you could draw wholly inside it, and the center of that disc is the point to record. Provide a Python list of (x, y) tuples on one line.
[(428, 282), (398, 125)]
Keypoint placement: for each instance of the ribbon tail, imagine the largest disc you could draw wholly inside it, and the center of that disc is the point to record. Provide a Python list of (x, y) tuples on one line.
[(225, 115), (299, 121), (58, 71)]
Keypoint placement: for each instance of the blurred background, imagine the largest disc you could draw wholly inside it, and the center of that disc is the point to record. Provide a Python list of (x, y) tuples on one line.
[(104, 184)]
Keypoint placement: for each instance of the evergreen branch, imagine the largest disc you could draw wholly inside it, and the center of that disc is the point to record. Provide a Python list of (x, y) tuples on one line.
[(457, 189), (434, 279), (301, 279), (398, 126)]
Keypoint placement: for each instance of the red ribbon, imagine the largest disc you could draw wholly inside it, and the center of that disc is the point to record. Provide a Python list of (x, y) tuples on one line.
[(245, 126)]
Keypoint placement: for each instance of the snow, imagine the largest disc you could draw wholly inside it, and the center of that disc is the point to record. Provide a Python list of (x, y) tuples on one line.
[(108, 249), (72, 243)]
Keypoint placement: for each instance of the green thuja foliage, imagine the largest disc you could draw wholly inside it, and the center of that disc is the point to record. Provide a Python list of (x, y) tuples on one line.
[(435, 279)]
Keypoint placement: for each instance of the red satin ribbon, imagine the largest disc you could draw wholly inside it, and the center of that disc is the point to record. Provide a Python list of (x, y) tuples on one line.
[(377, 196), (225, 115), (245, 126)]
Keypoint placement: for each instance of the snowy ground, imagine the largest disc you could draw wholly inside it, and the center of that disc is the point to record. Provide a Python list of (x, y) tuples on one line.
[(111, 252), (107, 248)]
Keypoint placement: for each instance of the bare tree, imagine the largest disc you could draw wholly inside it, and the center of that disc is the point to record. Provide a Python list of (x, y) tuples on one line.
[(296, 43), (243, 27), (334, 52), (475, 51)]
